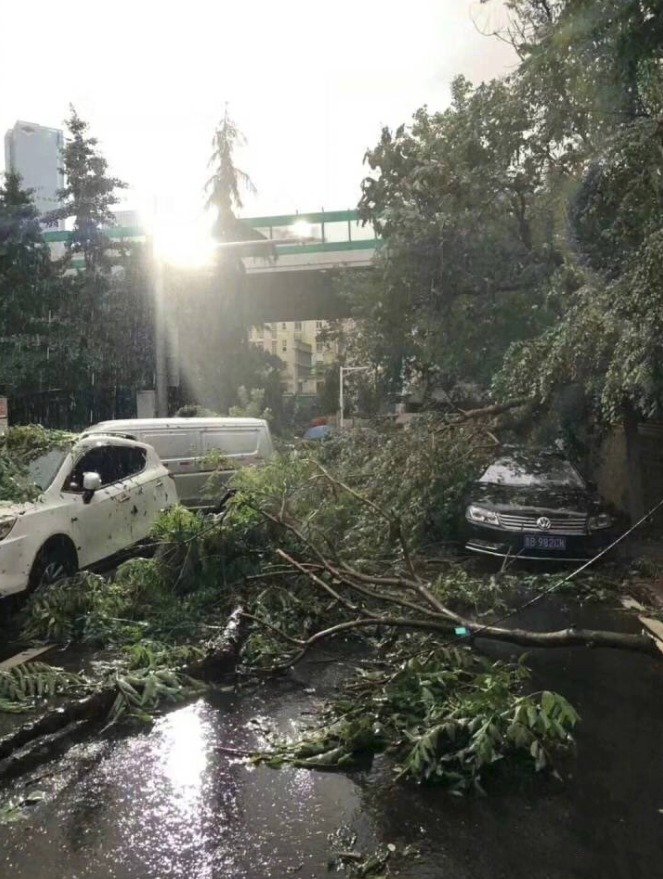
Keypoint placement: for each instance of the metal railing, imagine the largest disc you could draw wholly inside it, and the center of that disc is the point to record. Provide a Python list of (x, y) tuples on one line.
[(320, 231)]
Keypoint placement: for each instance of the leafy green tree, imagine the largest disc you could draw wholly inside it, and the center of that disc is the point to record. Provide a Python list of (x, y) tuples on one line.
[(587, 65), (468, 239), (527, 218), (108, 310), (608, 338)]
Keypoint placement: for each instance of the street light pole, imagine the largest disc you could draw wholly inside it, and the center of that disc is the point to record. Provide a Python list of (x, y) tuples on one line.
[(343, 370), (161, 364)]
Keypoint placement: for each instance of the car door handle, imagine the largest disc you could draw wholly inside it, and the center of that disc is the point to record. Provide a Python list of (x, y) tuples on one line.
[(124, 499), (159, 483)]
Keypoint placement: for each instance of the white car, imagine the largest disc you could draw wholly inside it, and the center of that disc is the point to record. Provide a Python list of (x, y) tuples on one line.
[(99, 496)]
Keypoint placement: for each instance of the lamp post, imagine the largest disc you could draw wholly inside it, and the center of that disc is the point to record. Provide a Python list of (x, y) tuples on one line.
[(161, 364), (343, 370)]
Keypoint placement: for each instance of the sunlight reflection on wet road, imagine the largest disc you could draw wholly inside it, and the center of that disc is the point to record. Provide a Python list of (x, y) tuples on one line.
[(169, 802)]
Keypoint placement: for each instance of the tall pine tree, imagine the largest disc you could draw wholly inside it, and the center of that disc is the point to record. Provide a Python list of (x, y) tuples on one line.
[(30, 291), (216, 355), (108, 309)]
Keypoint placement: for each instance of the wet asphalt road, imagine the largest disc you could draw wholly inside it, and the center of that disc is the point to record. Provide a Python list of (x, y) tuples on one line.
[(167, 802)]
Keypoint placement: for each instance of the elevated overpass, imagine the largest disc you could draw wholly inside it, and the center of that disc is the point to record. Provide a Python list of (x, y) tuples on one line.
[(291, 277), (290, 260)]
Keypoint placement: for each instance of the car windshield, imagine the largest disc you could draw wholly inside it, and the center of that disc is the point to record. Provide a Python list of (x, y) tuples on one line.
[(544, 471), (43, 469)]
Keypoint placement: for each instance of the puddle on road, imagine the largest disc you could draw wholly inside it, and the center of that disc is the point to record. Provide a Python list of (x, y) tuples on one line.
[(169, 803)]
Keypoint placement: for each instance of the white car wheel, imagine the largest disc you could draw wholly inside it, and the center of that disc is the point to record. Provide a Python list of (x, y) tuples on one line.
[(51, 565)]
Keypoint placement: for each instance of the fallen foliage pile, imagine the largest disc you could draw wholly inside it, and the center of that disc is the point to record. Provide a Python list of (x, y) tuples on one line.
[(19, 447), (352, 538), (443, 714)]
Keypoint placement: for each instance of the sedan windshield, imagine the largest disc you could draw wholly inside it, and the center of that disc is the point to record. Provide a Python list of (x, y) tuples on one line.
[(544, 471), (43, 469)]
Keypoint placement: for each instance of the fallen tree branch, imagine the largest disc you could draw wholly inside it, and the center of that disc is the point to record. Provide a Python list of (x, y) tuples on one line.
[(434, 617), (569, 637), (446, 622), (492, 410), (392, 519), (415, 583), (320, 582), (220, 658)]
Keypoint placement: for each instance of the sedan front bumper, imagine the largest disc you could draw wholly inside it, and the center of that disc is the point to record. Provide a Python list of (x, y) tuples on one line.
[(502, 543), (14, 566)]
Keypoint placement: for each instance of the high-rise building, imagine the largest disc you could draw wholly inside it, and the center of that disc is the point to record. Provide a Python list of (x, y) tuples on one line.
[(35, 152), (305, 357)]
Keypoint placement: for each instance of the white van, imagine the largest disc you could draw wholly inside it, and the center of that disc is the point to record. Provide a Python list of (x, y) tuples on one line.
[(187, 446)]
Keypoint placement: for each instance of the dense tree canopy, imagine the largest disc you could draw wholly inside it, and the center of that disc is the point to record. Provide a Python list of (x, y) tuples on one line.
[(526, 218), (458, 199), (608, 92)]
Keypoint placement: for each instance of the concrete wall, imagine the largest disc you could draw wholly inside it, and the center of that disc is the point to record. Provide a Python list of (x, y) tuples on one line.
[(611, 470)]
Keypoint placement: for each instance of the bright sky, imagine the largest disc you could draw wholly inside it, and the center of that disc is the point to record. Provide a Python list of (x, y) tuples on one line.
[(310, 84)]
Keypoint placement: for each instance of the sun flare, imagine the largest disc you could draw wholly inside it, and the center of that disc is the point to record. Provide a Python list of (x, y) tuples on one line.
[(183, 241)]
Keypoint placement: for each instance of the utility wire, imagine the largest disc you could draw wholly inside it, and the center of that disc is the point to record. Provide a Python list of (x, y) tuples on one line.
[(570, 576)]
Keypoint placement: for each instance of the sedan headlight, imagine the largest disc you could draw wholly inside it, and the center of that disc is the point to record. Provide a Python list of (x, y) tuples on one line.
[(485, 517), (6, 526), (602, 520)]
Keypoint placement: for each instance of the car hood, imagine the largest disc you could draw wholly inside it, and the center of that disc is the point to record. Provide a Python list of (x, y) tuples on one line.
[(530, 497), (9, 508)]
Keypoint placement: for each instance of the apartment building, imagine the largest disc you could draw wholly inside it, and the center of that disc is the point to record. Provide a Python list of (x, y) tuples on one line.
[(305, 357)]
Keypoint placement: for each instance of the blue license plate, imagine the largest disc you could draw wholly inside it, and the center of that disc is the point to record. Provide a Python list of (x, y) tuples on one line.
[(544, 541)]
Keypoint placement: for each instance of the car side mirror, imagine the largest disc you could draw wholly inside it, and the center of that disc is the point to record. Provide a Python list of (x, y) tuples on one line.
[(91, 483)]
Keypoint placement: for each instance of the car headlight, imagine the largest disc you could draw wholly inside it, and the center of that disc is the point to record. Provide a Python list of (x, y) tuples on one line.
[(602, 520), (485, 517), (6, 526)]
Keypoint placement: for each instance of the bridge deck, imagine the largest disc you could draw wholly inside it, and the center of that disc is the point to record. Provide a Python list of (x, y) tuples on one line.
[(304, 242)]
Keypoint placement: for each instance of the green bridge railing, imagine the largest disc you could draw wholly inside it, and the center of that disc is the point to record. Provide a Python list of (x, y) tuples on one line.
[(317, 232)]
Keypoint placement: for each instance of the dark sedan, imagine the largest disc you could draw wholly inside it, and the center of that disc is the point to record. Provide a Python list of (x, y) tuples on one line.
[(536, 505)]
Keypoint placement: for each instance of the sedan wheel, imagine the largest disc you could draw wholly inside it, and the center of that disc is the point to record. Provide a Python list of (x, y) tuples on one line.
[(53, 572), (51, 565)]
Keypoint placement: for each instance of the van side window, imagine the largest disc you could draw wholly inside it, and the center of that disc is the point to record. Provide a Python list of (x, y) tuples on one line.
[(231, 442), (172, 444)]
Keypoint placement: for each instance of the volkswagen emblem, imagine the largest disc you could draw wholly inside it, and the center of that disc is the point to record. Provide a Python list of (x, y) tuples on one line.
[(544, 523)]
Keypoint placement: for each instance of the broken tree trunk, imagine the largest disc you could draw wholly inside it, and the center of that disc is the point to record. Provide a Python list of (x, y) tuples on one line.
[(31, 743)]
